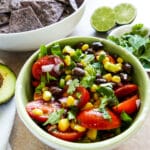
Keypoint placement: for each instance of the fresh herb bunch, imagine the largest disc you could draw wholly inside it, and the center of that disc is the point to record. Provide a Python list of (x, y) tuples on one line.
[(137, 41)]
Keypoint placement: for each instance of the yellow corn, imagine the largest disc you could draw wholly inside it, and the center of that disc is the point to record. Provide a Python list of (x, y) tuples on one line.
[(84, 47), (112, 67), (106, 59), (77, 127), (37, 112), (119, 60), (68, 77), (108, 77), (92, 134), (67, 60), (93, 88), (116, 79), (83, 63), (63, 124), (47, 95), (88, 105), (45, 89), (70, 101), (69, 50), (67, 71)]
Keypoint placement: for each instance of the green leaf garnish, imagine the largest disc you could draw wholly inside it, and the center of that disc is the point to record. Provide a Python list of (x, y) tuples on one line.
[(72, 86), (54, 117), (56, 50), (126, 118)]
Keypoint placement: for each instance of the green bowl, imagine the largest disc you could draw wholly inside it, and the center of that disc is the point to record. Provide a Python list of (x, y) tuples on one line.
[(24, 93)]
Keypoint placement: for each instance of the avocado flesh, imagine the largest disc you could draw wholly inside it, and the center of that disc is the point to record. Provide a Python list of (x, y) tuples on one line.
[(7, 83)]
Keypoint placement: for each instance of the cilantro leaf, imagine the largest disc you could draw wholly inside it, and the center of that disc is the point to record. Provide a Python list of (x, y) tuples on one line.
[(54, 117), (72, 86), (56, 50), (126, 118)]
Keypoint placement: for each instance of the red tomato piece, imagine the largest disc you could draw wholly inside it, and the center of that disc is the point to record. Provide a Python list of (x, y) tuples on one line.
[(47, 108), (93, 119), (85, 96), (46, 60), (126, 90), (130, 105), (68, 136)]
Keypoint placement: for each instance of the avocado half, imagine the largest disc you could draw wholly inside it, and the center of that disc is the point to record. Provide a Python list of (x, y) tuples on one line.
[(7, 83)]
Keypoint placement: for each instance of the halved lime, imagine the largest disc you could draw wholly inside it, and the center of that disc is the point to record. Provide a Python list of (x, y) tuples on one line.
[(125, 13), (103, 19)]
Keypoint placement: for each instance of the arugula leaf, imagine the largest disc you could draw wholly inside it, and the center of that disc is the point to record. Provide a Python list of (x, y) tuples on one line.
[(72, 86), (56, 50), (43, 51), (54, 117)]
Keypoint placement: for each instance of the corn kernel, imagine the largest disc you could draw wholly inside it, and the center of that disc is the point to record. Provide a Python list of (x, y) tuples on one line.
[(37, 112), (68, 49), (84, 47), (67, 60), (44, 89), (70, 101), (79, 128), (97, 57), (106, 59), (47, 95), (88, 105), (63, 124), (113, 67), (68, 77), (92, 134), (108, 77), (83, 63), (116, 79), (119, 60), (93, 88)]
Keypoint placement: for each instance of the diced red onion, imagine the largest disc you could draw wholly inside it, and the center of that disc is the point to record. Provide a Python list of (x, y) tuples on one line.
[(47, 68), (138, 102)]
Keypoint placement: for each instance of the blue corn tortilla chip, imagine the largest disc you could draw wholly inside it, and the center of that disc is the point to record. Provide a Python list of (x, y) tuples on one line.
[(23, 20), (48, 11)]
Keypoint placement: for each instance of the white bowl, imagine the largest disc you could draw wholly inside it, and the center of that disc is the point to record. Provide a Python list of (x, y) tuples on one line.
[(124, 29), (31, 40)]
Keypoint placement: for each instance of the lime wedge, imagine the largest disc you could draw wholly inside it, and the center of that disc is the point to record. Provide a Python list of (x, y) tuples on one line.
[(125, 13), (103, 19)]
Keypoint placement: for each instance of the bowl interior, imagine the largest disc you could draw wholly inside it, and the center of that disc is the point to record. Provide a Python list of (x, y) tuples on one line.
[(24, 94)]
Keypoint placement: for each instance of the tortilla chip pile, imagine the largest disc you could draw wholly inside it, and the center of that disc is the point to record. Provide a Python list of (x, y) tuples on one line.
[(26, 15)]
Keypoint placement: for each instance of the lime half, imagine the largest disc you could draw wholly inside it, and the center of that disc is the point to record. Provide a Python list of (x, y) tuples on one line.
[(125, 13), (103, 19)]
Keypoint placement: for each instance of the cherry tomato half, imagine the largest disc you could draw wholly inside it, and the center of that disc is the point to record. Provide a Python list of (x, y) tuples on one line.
[(93, 119), (68, 136), (84, 96), (46, 60), (46, 108)]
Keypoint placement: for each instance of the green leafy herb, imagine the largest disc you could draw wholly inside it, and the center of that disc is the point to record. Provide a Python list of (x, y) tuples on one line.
[(108, 99), (137, 42), (43, 51), (49, 77), (72, 112), (78, 55), (88, 58), (72, 86), (54, 117), (56, 50)]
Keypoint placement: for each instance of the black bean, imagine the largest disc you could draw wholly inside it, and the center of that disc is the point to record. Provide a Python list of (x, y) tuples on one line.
[(127, 67), (100, 80), (79, 45), (80, 65), (78, 71), (55, 90), (97, 45), (90, 51)]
